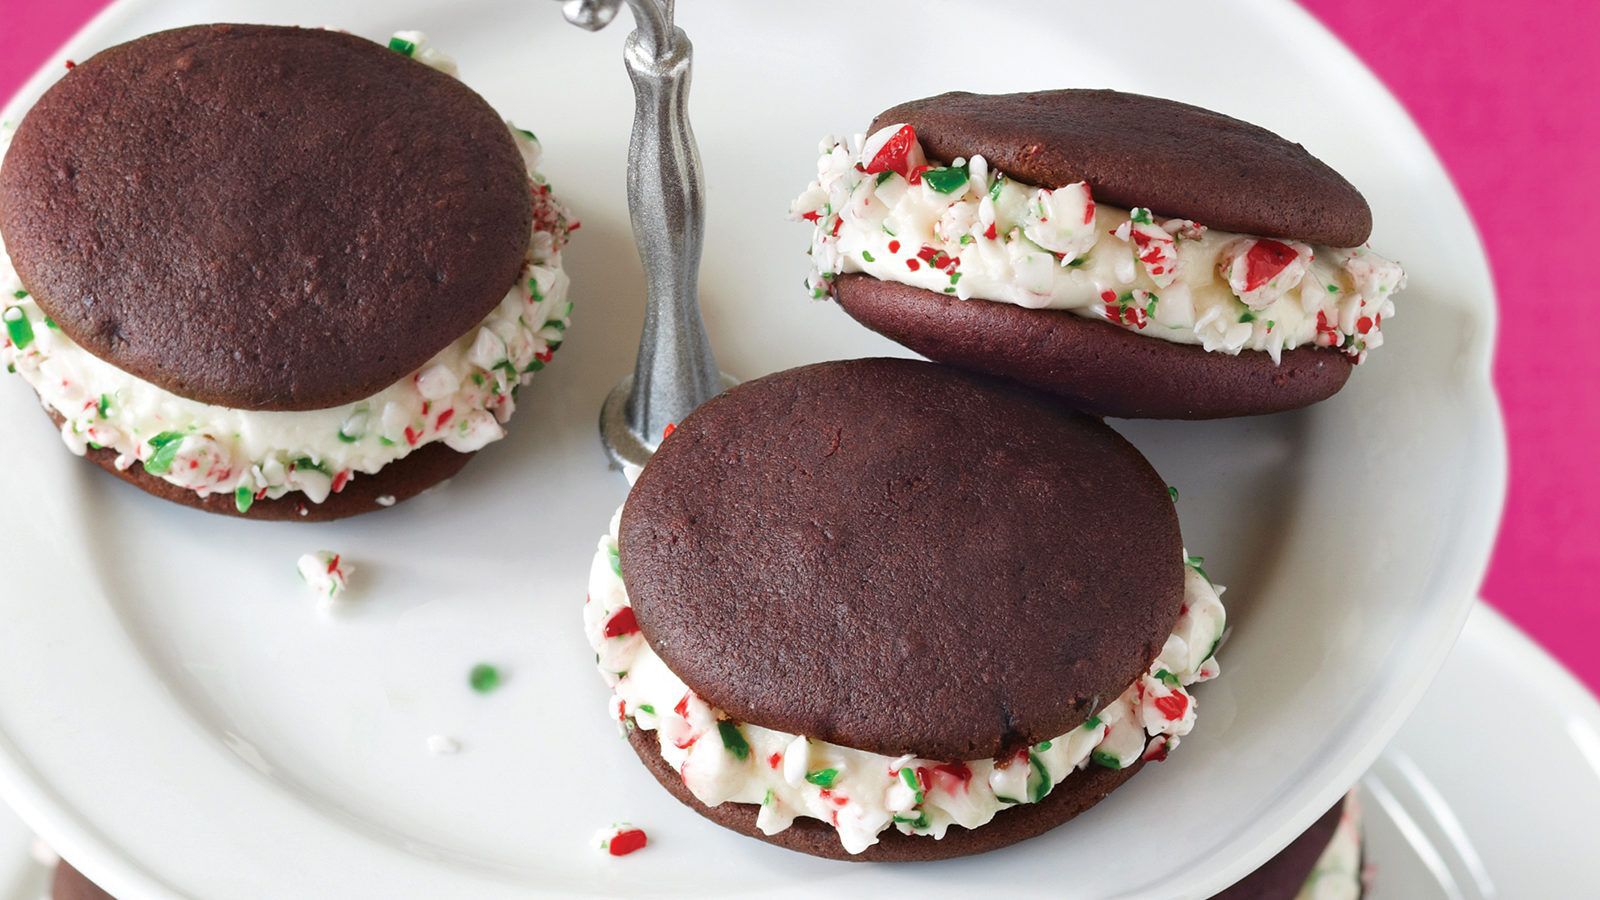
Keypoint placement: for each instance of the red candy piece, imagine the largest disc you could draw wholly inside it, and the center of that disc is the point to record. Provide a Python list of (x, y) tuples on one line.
[(627, 841), (953, 777), (1265, 259), (895, 154), (1173, 706), (622, 623)]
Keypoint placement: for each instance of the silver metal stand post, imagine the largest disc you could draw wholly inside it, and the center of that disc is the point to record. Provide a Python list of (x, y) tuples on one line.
[(675, 371)]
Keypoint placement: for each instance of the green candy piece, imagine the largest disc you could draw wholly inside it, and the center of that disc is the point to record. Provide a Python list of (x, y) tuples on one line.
[(306, 463), (867, 255), (20, 295), (402, 46), (994, 195), (647, 708), (1042, 746), (528, 134), (946, 180), (18, 328), (1141, 215), (910, 779), (616, 561), (1247, 316), (1197, 563), (917, 824), (733, 739), (103, 408), (1045, 785), (1167, 678), (243, 497), (166, 446), (1102, 758), (1092, 723), (483, 678), (823, 777), (1173, 493), (767, 800), (884, 176)]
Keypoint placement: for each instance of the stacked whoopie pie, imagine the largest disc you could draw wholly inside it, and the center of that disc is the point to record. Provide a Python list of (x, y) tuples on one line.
[(276, 272), (1136, 256), (1323, 863), (891, 610)]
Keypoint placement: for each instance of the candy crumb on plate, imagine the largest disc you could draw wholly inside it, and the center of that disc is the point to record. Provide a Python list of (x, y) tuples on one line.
[(325, 574), (620, 839), (484, 678)]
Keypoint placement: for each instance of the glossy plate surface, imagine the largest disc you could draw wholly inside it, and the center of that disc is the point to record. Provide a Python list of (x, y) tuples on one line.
[(174, 712)]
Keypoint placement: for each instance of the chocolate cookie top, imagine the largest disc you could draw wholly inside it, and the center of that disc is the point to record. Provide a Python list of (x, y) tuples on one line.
[(1178, 160), (896, 556), (264, 217)]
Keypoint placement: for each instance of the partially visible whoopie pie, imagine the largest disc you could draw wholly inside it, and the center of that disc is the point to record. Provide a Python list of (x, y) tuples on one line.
[(70, 884), (246, 266), (1323, 863), (851, 605), (1137, 256)]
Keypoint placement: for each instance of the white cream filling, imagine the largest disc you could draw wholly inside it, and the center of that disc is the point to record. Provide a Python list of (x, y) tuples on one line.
[(863, 794), (461, 397), (970, 232)]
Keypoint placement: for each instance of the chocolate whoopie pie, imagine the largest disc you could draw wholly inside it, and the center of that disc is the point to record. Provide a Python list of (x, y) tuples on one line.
[(1136, 256), (1323, 863), (248, 266), (851, 605), (70, 884)]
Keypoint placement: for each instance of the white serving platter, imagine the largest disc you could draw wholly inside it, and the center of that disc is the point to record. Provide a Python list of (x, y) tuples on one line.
[(175, 714)]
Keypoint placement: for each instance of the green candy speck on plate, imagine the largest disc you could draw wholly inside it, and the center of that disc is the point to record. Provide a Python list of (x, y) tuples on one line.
[(484, 678)]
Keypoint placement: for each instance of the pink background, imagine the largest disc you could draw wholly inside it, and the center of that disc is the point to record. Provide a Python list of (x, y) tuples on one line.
[(1506, 93)]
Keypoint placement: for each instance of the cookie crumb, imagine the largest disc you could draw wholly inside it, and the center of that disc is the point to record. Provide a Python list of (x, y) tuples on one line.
[(325, 574), (443, 745), (621, 839)]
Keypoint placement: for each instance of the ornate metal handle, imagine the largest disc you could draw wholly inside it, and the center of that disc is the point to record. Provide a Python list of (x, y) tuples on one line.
[(675, 370)]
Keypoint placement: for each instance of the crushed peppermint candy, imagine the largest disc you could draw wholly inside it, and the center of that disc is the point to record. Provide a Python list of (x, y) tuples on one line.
[(326, 574), (878, 197), (620, 839), (864, 794), (462, 397)]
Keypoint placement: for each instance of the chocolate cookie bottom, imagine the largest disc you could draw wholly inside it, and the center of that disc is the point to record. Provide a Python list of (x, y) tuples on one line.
[(1095, 366)]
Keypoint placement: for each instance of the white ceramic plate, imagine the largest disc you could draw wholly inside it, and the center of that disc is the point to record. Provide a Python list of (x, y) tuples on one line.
[(1438, 825), (173, 712)]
